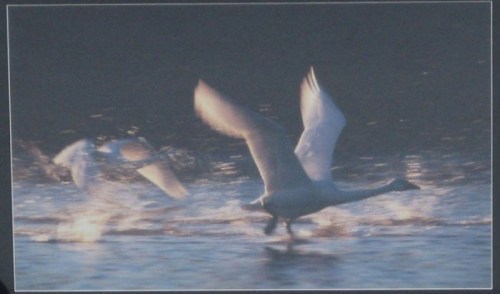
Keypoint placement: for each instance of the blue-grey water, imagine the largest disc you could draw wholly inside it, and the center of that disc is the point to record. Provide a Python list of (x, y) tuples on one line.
[(132, 237)]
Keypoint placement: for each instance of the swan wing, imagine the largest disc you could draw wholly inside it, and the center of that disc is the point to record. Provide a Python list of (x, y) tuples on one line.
[(127, 150), (78, 158), (271, 151), (140, 155), (323, 122), (160, 174)]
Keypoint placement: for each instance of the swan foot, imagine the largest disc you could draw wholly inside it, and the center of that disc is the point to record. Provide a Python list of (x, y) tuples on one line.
[(271, 225)]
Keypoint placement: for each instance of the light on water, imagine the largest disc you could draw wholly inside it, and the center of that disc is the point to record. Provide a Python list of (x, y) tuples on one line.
[(147, 241), (84, 228), (128, 235)]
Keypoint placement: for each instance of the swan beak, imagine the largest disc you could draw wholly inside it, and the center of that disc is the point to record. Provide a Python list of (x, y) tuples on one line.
[(412, 186)]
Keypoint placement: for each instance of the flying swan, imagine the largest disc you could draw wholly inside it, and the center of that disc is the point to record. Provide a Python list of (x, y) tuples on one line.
[(86, 163), (296, 183)]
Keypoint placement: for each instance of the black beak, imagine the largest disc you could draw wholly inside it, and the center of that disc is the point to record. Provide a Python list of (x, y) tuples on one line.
[(412, 186)]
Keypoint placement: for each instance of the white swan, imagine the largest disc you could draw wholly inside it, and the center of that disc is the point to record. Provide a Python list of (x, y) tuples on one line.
[(296, 183), (86, 163)]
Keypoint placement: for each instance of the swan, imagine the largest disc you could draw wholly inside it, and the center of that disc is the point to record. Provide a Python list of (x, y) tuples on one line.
[(297, 182), (87, 163)]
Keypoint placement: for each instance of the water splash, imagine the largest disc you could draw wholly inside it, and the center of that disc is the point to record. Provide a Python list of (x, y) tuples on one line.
[(87, 227), (333, 222)]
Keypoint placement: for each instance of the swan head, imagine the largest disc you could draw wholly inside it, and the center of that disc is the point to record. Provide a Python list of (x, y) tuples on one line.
[(402, 185)]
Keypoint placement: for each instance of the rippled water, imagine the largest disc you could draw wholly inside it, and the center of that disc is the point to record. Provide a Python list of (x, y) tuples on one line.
[(132, 237)]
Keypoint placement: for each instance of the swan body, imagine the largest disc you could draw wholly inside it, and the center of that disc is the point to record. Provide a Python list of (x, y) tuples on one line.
[(297, 182), (87, 163)]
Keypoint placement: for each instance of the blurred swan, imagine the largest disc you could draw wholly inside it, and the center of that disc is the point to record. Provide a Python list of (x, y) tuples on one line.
[(296, 183), (86, 163)]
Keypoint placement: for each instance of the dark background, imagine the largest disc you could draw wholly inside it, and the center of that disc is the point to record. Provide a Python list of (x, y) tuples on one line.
[(407, 76)]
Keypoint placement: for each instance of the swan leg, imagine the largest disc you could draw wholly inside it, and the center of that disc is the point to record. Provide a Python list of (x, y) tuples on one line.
[(271, 225), (289, 227)]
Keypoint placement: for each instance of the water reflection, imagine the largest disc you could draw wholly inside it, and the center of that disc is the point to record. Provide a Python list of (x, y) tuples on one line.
[(283, 265), (413, 167)]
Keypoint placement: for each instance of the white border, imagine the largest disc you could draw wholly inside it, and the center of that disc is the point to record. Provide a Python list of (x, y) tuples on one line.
[(256, 4), (10, 151), (284, 3)]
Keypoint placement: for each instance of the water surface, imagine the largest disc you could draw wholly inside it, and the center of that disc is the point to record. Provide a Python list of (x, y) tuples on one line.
[(132, 237)]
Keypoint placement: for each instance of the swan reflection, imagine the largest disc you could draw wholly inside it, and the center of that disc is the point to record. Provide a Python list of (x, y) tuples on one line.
[(280, 265)]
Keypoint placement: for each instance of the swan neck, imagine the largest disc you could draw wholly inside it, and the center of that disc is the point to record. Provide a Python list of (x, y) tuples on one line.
[(356, 195)]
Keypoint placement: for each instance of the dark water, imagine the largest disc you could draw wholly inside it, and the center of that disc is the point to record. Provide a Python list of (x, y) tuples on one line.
[(134, 238), (419, 70), (413, 80)]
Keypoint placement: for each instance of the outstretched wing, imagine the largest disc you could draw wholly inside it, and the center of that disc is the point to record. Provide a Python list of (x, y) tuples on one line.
[(78, 158), (271, 151), (130, 153), (323, 123), (160, 174), (138, 154)]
